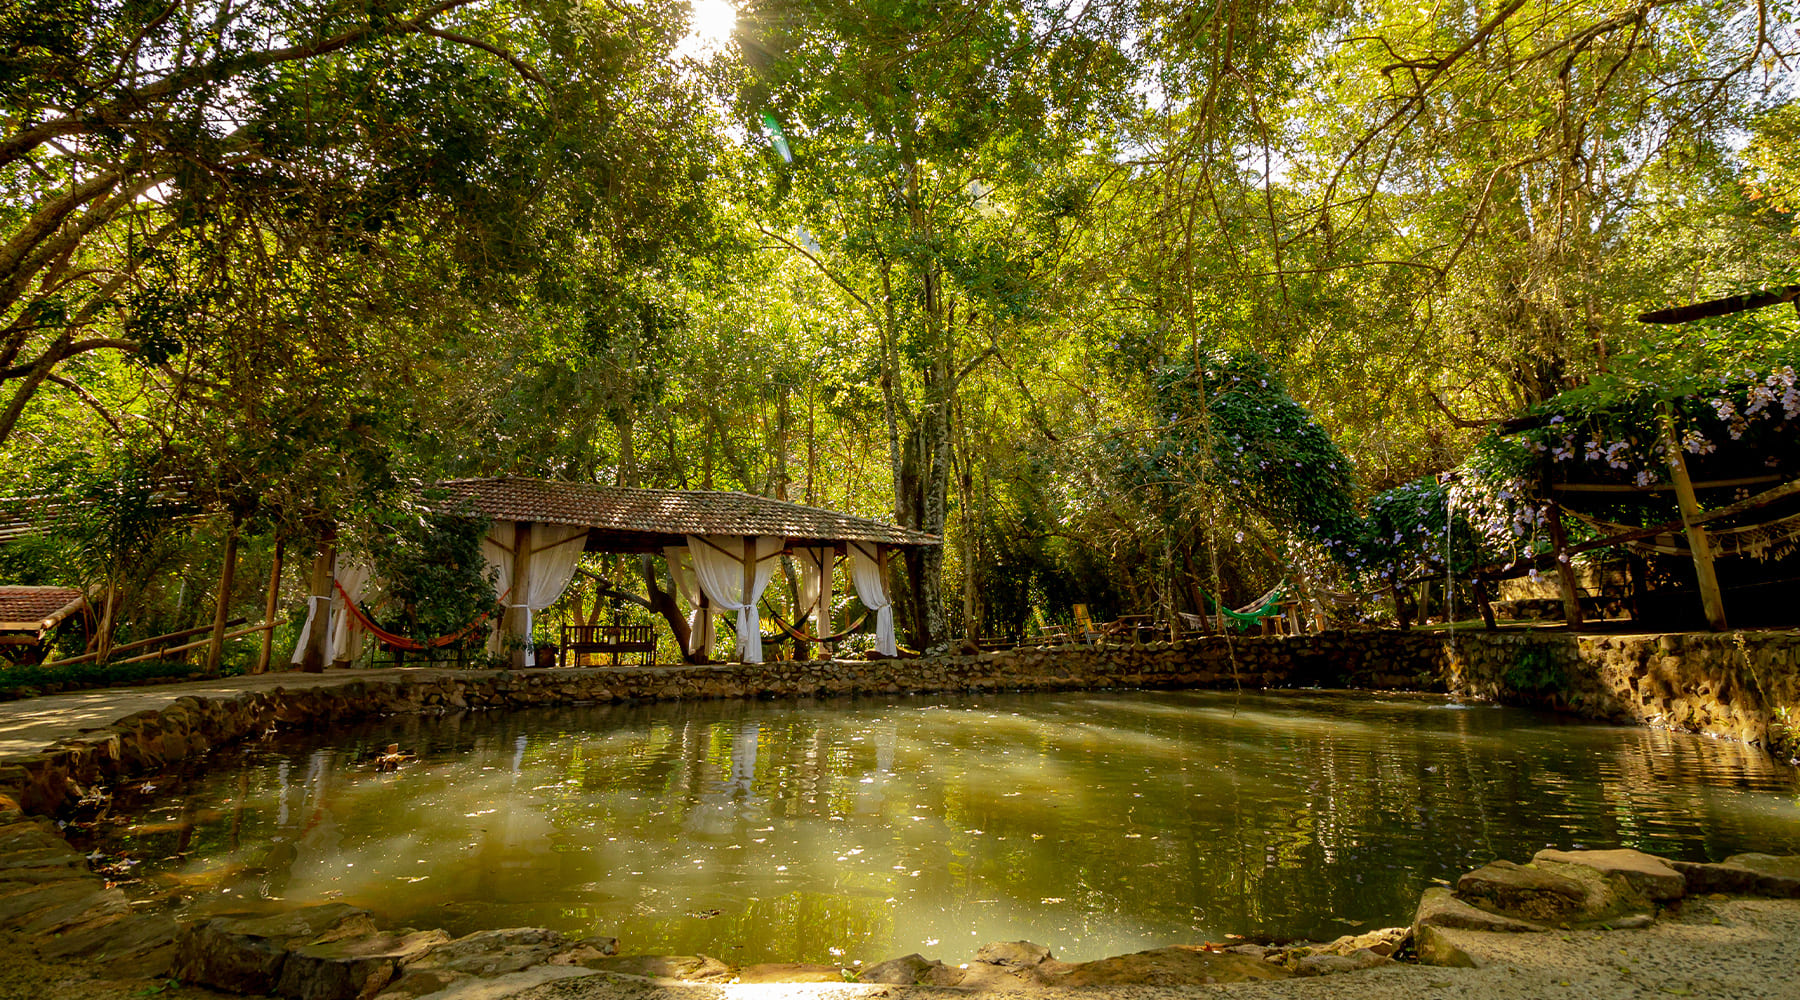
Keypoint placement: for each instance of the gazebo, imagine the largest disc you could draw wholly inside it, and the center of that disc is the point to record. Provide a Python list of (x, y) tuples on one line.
[(721, 549)]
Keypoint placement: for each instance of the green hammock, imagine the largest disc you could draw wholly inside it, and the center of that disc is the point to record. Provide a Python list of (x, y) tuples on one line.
[(1268, 607)]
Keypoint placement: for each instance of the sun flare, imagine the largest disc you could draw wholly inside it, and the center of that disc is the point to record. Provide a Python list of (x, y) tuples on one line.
[(709, 29)]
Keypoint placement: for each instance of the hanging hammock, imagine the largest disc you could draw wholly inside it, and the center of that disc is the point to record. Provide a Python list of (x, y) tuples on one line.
[(1266, 606), (794, 630), (402, 642)]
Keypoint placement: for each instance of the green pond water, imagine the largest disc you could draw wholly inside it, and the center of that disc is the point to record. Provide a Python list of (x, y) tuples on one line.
[(1095, 824)]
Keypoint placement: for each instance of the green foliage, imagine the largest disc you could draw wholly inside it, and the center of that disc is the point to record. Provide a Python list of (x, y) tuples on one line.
[(437, 579), (1534, 672), (1784, 735), (15, 681), (1235, 428)]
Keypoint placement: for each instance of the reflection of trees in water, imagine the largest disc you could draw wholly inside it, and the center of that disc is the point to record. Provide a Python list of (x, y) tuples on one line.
[(1251, 815)]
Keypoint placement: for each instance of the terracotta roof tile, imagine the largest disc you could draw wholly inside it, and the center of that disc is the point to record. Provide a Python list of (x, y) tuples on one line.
[(29, 607), (647, 512)]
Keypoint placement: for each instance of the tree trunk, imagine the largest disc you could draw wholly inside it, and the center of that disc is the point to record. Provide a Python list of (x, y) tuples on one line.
[(318, 640), (222, 606), (270, 602), (104, 647), (663, 603), (628, 471)]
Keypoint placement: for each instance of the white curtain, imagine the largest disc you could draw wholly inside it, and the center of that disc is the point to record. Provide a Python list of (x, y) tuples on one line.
[(871, 589), (687, 587), (346, 632), (719, 566), (555, 550), (313, 603), (815, 585)]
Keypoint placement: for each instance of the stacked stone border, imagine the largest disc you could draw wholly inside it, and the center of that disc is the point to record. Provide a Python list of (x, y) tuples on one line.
[(1744, 686)]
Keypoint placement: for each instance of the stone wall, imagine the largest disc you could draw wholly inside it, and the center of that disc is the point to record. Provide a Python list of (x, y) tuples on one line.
[(1730, 685), (1740, 685)]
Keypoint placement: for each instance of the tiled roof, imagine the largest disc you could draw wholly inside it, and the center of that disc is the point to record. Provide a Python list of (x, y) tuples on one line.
[(34, 608), (625, 511), (26, 514)]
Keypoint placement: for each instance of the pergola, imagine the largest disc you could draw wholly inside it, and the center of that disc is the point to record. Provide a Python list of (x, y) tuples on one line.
[(721, 548)]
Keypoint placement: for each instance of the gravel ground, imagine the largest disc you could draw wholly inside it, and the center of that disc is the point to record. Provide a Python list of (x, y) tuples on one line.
[(1736, 949), (1739, 949)]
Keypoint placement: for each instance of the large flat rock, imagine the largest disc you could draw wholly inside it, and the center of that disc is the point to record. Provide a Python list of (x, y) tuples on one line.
[(1647, 874), (1553, 893), (1181, 965), (1438, 907), (911, 970), (1744, 875), (790, 972)]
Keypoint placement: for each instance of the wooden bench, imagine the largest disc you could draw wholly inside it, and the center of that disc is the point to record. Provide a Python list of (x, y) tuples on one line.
[(611, 640)]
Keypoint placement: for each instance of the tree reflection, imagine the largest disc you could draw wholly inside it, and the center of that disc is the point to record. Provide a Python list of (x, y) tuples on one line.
[(1097, 824)]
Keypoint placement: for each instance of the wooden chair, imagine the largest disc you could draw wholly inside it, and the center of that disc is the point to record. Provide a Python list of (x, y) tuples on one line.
[(611, 640), (1084, 625)]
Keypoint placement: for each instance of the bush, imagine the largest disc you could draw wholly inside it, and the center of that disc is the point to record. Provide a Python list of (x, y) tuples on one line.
[(27, 681)]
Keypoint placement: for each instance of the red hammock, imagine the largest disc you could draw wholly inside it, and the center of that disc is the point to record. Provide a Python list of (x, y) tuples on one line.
[(402, 642), (795, 631)]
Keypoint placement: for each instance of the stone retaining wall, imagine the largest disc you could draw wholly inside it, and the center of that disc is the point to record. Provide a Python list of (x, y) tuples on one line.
[(1730, 685), (1741, 685)]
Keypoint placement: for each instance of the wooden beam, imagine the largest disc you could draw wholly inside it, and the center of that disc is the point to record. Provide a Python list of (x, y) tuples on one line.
[(193, 645), (822, 624), (222, 605), (518, 617), (1711, 484), (749, 583), (1722, 307), (1711, 600), (141, 643)]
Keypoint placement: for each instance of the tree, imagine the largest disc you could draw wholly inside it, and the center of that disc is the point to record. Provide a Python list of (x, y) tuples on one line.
[(909, 123)]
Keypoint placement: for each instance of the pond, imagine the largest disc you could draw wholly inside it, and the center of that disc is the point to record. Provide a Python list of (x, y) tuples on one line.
[(1095, 824)]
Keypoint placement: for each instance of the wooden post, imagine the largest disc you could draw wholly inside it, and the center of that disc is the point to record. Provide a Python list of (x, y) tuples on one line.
[(887, 581), (270, 600), (1636, 569), (1710, 597), (743, 641), (822, 614), (518, 617), (700, 643), (318, 641), (1481, 598), (104, 647), (1565, 571), (216, 648)]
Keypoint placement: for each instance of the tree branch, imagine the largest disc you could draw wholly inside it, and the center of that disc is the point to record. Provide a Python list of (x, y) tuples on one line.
[(88, 398)]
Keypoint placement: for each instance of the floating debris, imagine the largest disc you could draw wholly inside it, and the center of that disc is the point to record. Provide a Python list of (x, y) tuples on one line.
[(392, 758)]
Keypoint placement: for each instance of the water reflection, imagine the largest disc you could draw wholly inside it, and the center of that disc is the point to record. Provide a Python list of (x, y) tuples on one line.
[(1096, 824)]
